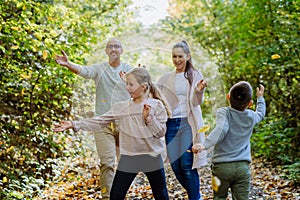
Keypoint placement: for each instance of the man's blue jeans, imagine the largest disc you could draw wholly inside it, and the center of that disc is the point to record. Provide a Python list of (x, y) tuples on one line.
[(179, 140)]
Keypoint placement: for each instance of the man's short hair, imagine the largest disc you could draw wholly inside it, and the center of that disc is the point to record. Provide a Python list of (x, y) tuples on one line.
[(240, 95)]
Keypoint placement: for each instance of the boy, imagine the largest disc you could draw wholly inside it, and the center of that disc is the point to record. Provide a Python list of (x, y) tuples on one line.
[(231, 141)]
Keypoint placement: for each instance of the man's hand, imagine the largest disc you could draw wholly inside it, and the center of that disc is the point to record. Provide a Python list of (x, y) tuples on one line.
[(62, 60), (62, 125), (123, 75), (197, 148)]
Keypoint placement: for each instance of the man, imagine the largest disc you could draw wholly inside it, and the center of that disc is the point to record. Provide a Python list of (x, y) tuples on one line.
[(110, 88)]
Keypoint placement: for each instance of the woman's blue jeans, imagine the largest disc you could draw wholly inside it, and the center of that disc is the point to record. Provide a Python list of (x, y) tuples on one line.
[(179, 140)]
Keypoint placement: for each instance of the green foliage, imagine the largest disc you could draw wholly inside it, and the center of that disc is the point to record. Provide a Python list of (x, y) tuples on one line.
[(34, 90), (292, 172), (272, 137), (257, 41), (275, 140)]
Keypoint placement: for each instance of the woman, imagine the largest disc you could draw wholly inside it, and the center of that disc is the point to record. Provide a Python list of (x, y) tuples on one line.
[(184, 92)]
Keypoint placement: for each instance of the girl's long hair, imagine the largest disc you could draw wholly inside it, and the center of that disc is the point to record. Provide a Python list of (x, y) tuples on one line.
[(188, 73), (142, 76)]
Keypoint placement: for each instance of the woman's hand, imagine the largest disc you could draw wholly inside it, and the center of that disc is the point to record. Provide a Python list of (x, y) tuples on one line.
[(62, 125), (201, 85)]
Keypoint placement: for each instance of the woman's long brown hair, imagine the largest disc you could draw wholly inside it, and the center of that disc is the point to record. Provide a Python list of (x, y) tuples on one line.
[(188, 73)]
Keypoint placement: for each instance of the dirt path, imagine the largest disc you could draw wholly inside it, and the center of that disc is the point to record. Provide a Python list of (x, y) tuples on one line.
[(79, 179)]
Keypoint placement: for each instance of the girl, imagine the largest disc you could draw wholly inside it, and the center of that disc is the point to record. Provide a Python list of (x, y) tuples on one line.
[(184, 91), (142, 124)]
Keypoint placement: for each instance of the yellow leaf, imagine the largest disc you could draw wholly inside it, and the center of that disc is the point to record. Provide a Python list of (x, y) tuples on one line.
[(49, 41), (38, 36), (275, 56), (203, 129), (104, 190), (15, 28), (34, 49), (45, 54), (4, 180), (24, 76), (215, 183), (9, 149), (19, 5), (15, 47), (22, 91)]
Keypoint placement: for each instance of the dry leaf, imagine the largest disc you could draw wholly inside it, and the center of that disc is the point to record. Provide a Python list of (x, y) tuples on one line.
[(203, 129), (275, 56), (215, 182)]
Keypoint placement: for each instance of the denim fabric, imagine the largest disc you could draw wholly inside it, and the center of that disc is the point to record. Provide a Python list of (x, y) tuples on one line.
[(179, 139), (233, 175), (123, 179)]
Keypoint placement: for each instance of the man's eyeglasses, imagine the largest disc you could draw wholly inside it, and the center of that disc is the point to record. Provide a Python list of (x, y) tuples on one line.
[(113, 46)]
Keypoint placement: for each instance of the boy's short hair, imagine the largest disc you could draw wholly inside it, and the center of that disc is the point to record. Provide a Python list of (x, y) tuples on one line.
[(240, 95)]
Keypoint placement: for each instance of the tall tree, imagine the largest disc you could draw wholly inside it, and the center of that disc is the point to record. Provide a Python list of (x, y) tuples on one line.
[(257, 41), (34, 91)]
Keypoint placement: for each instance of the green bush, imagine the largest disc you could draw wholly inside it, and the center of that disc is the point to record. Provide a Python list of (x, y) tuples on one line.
[(276, 141), (274, 137), (34, 90), (292, 172)]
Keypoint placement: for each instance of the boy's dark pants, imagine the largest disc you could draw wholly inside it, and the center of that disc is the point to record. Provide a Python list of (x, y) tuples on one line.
[(233, 175)]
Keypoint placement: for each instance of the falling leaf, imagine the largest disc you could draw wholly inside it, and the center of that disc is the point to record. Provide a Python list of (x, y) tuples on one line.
[(104, 190), (215, 183), (203, 129), (275, 56)]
